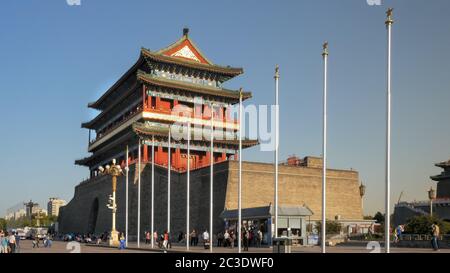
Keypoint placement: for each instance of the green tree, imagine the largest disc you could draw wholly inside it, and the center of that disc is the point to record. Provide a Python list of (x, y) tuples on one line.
[(379, 217), (3, 224), (333, 227), (422, 225)]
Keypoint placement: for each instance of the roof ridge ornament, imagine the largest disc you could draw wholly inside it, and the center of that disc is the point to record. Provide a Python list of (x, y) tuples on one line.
[(185, 31), (389, 20), (325, 49)]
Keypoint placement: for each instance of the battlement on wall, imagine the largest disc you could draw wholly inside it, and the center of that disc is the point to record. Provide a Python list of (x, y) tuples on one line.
[(297, 186)]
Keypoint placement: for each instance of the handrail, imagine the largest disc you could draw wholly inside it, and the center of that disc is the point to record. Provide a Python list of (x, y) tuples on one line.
[(160, 110)]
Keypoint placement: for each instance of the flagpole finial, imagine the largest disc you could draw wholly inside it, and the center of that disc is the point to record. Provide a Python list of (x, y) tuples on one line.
[(277, 72), (325, 49), (389, 20)]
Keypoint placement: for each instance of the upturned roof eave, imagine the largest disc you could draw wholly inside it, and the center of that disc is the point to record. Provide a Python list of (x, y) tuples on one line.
[(224, 70), (141, 130), (97, 104), (233, 94)]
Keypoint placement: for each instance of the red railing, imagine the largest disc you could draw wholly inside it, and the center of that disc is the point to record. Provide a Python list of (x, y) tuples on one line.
[(140, 109)]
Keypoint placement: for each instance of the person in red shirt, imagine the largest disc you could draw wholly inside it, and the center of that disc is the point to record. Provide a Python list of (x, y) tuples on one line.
[(166, 239)]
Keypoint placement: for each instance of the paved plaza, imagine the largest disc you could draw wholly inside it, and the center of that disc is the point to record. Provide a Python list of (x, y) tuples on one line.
[(65, 247)]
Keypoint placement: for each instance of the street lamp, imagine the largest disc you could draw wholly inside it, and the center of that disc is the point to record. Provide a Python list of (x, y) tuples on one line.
[(431, 196), (362, 192), (114, 171)]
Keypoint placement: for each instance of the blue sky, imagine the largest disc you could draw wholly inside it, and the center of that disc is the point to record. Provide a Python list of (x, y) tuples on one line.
[(56, 58)]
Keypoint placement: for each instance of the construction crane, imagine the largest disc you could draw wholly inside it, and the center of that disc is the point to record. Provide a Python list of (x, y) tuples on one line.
[(399, 197)]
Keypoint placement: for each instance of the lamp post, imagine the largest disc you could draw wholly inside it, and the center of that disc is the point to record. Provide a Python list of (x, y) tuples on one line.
[(153, 192), (239, 226), (211, 190), (188, 178), (277, 126), (324, 147), (431, 196), (127, 170), (114, 170)]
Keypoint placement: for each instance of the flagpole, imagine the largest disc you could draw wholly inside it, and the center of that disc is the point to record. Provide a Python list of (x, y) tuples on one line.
[(139, 196), (126, 197), (389, 22), (153, 191), (169, 166), (240, 174), (324, 147), (188, 182), (211, 184), (276, 77)]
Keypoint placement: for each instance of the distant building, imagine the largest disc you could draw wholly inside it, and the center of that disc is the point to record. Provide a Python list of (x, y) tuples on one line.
[(441, 203), (13, 215), (53, 206), (31, 208)]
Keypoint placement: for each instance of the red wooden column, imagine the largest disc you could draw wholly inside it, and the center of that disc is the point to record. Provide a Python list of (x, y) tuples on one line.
[(159, 155), (206, 112), (207, 159), (198, 111), (227, 114), (144, 95), (224, 157), (158, 103), (221, 115), (145, 153), (177, 158), (149, 102)]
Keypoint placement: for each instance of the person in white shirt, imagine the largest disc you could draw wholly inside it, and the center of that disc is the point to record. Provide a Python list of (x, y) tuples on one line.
[(226, 238), (205, 238), (12, 243)]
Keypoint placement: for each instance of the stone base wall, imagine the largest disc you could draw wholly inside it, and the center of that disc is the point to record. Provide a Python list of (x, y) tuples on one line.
[(87, 211)]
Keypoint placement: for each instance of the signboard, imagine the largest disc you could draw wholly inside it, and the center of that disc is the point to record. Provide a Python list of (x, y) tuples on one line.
[(313, 239)]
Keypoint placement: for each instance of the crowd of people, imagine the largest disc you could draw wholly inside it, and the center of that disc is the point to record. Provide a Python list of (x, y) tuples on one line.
[(435, 233), (9, 242), (251, 237)]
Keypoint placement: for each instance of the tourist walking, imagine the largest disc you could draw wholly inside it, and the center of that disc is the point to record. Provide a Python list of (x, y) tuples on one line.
[(17, 242), (12, 243), (220, 237), (121, 241), (245, 239), (166, 240), (4, 242), (259, 237), (398, 233), (226, 238), (194, 238), (155, 236), (436, 231), (36, 242), (50, 241), (205, 238), (147, 237), (232, 238)]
